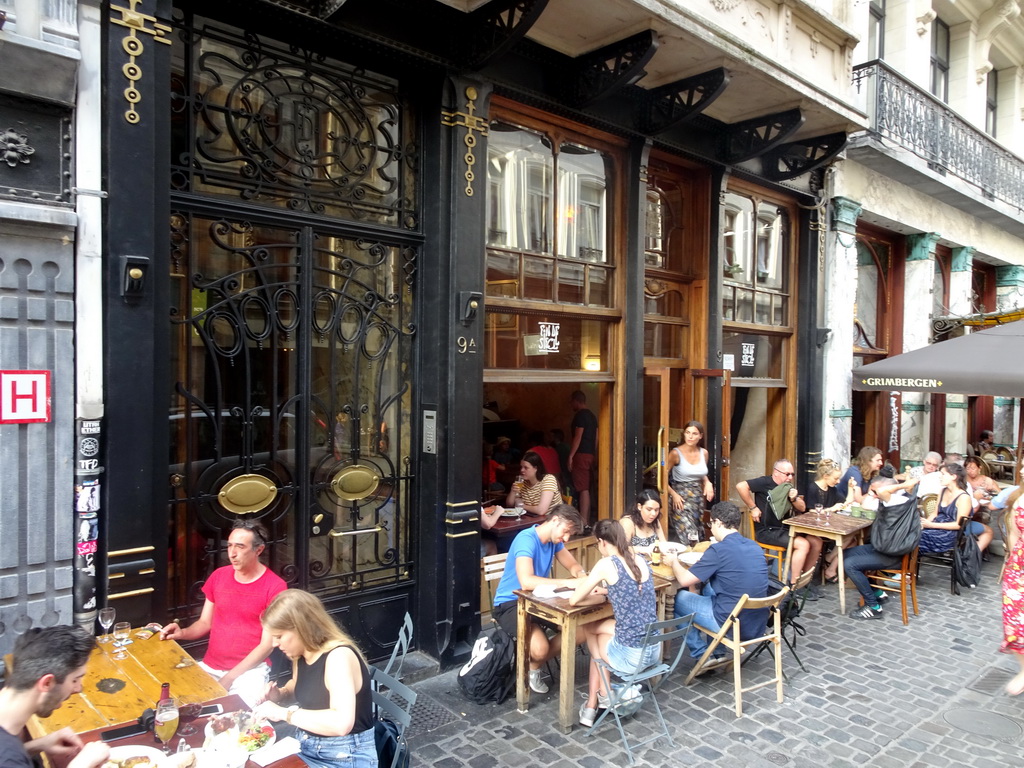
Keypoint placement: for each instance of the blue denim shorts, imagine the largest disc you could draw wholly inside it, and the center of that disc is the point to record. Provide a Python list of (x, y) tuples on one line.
[(624, 658), (355, 750)]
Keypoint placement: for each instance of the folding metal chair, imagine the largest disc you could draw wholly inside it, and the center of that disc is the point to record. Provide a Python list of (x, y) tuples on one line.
[(659, 633), (394, 665), (384, 686)]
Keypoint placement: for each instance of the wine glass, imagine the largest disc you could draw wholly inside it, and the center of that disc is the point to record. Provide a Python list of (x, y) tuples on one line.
[(819, 510), (694, 538), (189, 708), (165, 722), (106, 621), (121, 632)]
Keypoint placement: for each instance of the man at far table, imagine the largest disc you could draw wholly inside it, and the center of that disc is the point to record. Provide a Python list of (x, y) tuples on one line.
[(731, 567), (236, 596), (48, 667), (771, 499), (527, 567)]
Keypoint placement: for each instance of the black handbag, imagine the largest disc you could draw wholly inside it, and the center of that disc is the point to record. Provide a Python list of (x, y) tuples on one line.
[(897, 528)]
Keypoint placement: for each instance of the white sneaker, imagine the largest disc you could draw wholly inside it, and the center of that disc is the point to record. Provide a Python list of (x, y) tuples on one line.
[(536, 684), (602, 700), (587, 715)]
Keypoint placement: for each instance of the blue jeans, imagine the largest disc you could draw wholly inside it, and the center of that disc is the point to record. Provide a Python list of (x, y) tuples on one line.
[(355, 750), (702, 608), (857, 560)]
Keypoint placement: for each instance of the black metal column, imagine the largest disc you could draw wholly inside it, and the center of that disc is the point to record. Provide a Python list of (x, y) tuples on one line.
[(716, 432), (451, 368), (809, 342), (135, 152), (633, 319)]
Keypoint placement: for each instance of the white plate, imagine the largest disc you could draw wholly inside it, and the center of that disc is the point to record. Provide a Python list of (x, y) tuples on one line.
[(690, 558), (208, 730), (155, 756), (511, 513)]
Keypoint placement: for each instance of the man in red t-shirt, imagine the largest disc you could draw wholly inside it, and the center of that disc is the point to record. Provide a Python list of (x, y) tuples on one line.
[(236, 596)]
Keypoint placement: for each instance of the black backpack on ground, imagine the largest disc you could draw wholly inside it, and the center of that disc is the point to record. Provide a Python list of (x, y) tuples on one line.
[(966, 561), (789, 608), (490, 674)]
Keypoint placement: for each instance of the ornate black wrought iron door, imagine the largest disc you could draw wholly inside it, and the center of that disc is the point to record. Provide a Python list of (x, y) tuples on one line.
[(293, 263)]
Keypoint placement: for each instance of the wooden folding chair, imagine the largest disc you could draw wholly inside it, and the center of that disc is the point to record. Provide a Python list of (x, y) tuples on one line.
[(729, 636), (491, 569), (906, 574), (789, 609), (771, 552)]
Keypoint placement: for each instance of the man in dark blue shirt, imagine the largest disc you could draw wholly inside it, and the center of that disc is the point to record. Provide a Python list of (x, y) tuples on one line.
[(731, 567)]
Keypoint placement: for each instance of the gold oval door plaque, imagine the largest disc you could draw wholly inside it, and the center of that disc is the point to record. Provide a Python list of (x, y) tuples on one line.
[(355, 482), (247, 493)]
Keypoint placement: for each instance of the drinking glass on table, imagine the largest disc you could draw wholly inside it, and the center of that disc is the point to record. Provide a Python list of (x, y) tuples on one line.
[(106, 618), (122, 630), (165, 722), (694, 538), (819, 509), (189, 708)]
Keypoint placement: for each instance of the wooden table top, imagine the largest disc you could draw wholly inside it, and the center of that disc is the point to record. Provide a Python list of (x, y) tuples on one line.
[(117, 691), (510, 525), (230, 703), (836, 524)]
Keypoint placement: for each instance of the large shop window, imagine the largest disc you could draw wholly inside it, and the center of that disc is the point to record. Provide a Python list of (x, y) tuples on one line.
[(547, 219), (755, 241), (757, 335)]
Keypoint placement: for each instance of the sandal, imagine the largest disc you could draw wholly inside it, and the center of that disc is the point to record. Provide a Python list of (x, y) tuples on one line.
[(832, 579)]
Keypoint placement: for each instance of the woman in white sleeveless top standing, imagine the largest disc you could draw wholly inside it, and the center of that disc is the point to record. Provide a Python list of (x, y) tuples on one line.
[(689, 487)]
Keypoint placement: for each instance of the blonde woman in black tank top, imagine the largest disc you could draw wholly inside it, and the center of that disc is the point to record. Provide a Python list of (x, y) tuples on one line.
[(328, 698)]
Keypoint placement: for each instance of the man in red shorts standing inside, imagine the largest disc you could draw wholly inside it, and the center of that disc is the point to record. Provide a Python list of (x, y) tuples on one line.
[(236, 596), (581, 454)]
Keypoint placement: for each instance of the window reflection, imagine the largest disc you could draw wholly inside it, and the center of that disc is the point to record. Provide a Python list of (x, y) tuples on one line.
[(755, 261), (547, 216)]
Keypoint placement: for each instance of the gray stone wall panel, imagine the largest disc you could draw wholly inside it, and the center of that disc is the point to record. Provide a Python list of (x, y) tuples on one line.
[(37, 515)]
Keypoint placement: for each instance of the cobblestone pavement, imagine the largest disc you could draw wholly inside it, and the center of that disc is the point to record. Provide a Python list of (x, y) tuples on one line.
[(876, 693)]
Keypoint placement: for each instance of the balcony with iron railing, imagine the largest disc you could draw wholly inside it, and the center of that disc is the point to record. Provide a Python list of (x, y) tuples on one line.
[(918, 122)]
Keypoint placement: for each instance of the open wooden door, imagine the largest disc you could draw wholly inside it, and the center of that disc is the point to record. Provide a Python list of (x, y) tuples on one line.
[(698, 383), (657, 416)]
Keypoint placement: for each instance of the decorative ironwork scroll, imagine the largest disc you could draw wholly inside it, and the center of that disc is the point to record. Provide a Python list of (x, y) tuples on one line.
[(493, 29), (787, 161), (751, 138), (290, 128), (600, 73), (672, 104)]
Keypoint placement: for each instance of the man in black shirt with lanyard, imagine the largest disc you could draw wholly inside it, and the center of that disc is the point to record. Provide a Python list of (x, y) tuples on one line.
[(770, 500)]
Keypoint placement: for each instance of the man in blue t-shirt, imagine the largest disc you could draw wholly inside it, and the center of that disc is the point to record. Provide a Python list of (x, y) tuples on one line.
[(528, 566), (731, 567)]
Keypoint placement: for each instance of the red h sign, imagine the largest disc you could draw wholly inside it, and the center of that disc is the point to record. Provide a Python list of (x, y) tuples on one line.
[(24, 397)]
